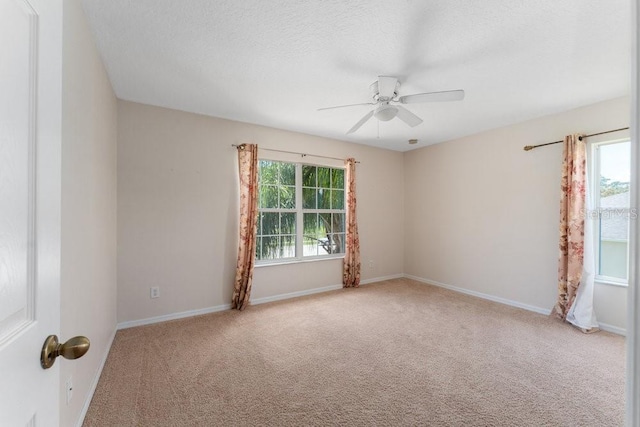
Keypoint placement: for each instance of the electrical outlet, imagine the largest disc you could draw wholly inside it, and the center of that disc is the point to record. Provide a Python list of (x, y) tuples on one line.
[(370, 263), (69, 387), (155, 292)]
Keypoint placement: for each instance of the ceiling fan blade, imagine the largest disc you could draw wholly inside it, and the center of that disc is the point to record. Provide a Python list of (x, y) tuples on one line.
[(343, 106), (361, 122), (387, 86), (447, 95), (407, 116)]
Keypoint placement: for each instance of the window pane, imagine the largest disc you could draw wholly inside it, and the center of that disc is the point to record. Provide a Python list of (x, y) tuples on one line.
[(337, 178), (325, 246), (268, 196), (259, 227), (614, 232), (287, 197), (259, 248), (325, 223), (310, 246), (324, 177), (338, 243), (324, 199), (614, 209), (270, 247), (268, 172), (337, 199), (288, 248), (308, 176), (270, 223), (310, 224), (337, 224), (615, 169), (613, 259), (287, 174), (288, 223), (335, 236), (308, 198)]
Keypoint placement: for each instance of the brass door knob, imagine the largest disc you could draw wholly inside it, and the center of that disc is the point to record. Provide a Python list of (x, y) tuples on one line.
[(72, 349)]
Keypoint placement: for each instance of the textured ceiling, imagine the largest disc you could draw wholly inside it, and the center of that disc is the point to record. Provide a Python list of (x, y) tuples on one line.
[(276, 62)]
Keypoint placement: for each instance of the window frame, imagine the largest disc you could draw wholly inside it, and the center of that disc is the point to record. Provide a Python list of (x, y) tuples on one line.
[(299, 212), (594, 186)]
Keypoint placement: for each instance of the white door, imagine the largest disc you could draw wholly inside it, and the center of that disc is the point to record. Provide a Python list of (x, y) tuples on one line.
[(30, 149)]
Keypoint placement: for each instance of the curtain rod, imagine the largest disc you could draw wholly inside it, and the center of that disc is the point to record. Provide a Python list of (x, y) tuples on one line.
[(294, 152), (531, 147)]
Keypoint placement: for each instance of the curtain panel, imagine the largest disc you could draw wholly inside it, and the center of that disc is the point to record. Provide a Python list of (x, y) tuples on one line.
[(575, 261), (351, 263), (248, 171)]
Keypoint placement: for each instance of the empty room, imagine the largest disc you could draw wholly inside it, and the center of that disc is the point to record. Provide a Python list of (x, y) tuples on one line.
[(287, 213)]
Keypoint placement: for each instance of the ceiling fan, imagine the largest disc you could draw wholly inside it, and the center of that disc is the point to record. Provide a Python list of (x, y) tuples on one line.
[(386, 100)]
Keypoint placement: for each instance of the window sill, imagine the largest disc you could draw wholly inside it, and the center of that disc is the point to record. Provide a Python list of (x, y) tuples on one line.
[(604, 281), (298, 261)]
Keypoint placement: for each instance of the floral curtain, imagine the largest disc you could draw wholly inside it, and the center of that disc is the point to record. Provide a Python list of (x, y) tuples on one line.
[(351, 263), (248, 168), (575, 271)]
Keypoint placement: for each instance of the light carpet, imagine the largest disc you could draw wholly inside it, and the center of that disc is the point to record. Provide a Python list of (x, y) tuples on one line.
[(392, 353)]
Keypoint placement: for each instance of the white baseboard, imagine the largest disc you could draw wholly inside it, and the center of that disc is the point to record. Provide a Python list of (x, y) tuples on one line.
[(94, 383), (613, 329), (172, 316), (480, 295), (280, 297), (545, 311), (382, 278), (257, 301)]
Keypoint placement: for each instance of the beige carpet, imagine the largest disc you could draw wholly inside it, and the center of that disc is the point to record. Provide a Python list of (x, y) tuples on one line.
[(388, 354)]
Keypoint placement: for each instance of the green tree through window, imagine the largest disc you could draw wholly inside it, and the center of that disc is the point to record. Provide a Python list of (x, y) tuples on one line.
[(323, 210), (292, 194)]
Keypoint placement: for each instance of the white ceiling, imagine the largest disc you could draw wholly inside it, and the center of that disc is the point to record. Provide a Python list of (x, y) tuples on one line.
[(275, 62)]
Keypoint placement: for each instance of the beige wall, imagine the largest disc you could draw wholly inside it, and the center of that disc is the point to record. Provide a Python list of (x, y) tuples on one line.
[(88, 270), (481, 214), (177, 211)]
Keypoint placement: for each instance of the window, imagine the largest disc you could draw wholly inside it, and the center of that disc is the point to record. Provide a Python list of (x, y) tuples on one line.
[(276, 237), (611, 173), (291, 194), (323, 210)]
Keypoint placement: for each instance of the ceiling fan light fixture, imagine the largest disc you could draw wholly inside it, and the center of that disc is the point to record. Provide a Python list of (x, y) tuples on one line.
[(385, 91), (385, 112)]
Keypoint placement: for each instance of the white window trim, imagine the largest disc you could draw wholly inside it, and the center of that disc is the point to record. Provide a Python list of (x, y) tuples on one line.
[(287, 261), (300, 258), (611, 281), (595, 202)]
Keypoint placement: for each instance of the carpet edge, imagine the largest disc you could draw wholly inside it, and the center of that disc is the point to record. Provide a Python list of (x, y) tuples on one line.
[(207, 310), (172, 316), (96, 379), (603, 326)]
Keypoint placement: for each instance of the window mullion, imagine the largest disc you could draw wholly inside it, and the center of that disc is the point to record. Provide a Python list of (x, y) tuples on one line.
[(299, 216)]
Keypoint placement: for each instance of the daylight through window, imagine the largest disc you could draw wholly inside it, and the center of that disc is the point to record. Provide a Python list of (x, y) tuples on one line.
[(291, 194), (612, 166)]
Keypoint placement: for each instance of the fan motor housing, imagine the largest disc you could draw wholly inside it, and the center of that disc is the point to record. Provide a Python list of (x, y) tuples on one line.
[(376, 93)]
